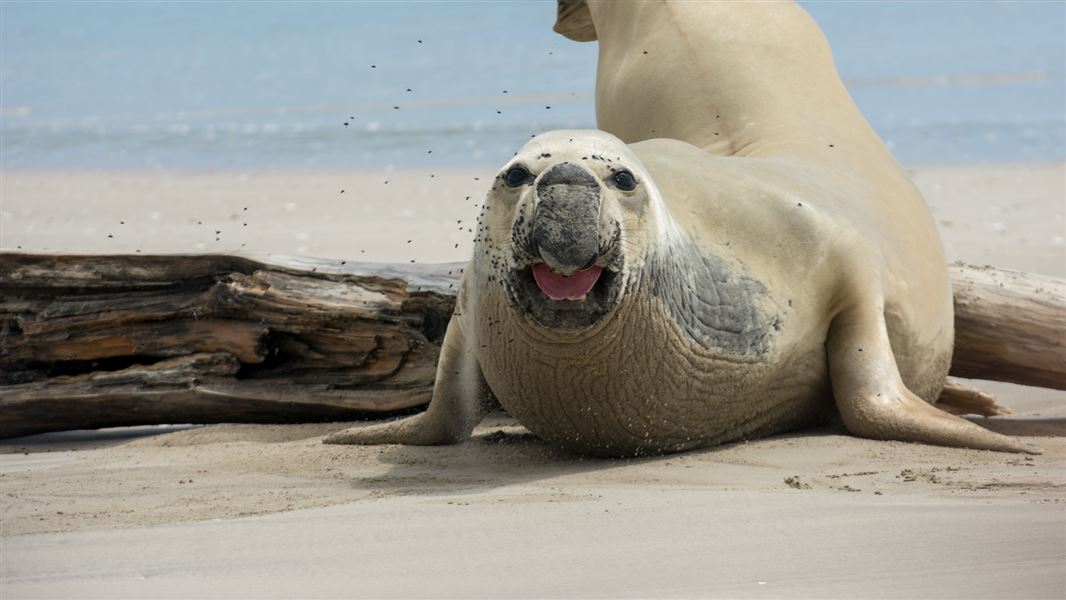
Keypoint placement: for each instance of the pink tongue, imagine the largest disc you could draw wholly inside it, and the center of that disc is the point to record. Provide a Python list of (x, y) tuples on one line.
[(561, 287)]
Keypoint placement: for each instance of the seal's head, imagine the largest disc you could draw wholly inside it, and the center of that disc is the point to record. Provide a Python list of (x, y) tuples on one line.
[(573, 210)]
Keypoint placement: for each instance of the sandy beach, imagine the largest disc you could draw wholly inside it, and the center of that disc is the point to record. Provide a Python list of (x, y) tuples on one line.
[(249, 511)]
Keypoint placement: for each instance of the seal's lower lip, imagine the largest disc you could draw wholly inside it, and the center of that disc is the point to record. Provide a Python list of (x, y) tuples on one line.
[(561, 287)]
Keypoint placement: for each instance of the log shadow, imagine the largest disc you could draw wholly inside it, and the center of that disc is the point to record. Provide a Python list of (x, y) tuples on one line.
[(86, 439)]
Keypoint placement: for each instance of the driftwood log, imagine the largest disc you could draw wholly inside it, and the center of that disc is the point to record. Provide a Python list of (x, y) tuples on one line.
[(102, 341)]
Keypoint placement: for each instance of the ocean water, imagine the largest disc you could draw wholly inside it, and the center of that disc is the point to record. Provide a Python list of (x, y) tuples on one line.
[(239, 85)]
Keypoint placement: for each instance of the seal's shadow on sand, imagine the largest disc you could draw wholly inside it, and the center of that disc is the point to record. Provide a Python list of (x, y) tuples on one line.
[(502, 453)]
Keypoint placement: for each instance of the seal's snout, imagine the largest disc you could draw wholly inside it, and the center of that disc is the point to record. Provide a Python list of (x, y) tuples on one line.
[(566, 225)]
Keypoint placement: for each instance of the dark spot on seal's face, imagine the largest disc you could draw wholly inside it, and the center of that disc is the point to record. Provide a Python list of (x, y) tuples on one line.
[(566, 224)]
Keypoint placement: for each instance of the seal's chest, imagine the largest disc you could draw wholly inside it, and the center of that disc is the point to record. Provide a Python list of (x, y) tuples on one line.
[(627, 390)]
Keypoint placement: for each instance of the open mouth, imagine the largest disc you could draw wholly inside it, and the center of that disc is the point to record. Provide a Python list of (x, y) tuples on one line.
[(557, 286), (557, 301)]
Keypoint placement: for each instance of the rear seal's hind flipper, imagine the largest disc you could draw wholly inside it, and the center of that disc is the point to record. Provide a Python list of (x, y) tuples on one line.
[(958, 398)]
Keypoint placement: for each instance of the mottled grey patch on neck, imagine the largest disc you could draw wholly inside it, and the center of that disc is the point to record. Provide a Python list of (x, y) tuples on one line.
[(713, 301)]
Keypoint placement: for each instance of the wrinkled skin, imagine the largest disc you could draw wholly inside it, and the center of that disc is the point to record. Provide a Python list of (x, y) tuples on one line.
[(771, 265)]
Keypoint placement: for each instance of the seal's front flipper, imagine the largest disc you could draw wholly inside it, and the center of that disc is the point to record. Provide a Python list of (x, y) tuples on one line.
[(874, 402), (460, 400)]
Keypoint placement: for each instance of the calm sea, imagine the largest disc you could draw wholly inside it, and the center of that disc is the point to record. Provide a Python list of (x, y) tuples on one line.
[(366, 85)]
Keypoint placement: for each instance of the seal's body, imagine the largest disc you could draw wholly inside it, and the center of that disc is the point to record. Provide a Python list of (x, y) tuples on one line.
[(769, 262), (709, 343)]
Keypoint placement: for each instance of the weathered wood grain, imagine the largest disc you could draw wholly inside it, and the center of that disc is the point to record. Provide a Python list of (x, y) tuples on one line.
[(101, 341)]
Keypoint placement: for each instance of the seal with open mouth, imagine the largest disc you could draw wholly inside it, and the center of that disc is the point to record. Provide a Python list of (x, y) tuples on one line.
[(635, 299)]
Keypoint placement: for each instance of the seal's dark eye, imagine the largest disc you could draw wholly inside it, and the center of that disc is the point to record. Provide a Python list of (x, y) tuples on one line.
[(516, 176), (624, 180)]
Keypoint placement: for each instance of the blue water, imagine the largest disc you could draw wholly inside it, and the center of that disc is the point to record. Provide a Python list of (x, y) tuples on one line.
[(257, 84)]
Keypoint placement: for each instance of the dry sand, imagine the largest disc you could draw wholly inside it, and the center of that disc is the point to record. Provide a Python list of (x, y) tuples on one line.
[(268, 511)]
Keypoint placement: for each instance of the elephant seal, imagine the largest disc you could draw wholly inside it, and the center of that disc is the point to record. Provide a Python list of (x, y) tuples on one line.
[(637, 299), (767, 262)]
